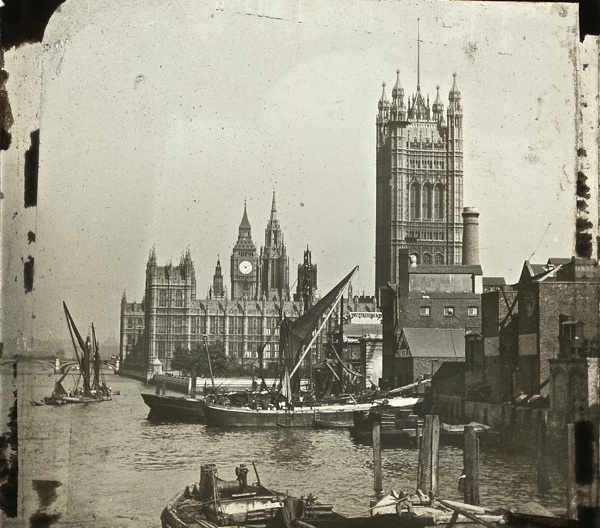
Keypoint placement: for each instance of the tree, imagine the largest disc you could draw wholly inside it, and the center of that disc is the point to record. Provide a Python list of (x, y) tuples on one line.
[(196, 361)]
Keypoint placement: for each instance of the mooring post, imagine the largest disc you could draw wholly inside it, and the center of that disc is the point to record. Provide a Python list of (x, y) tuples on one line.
[(543, 474), (157, 388), (378, 479), (583, 472), (471, 464), (435, 454), (163, 384), (571, 483), (428, 472), (424, 465)]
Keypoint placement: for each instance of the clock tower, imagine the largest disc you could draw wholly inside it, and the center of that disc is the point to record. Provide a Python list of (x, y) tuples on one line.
[(244, 263)]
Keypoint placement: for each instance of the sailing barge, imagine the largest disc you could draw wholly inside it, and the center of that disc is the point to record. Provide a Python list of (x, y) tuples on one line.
[(93, 388), (295, 341)]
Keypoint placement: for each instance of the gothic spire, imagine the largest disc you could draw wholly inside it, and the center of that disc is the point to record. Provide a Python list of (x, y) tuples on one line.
[(437, 98), (244, 231), (245, 223), (418, 54), (454, 106), (383, 101), (273, 208), (454, 86), (438, 107)]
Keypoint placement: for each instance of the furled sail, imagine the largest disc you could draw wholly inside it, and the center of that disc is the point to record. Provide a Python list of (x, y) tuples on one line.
[(84, 359), (296, 335)]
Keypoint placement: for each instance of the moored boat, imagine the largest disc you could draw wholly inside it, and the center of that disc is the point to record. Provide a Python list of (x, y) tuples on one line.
[(453, 434), (229, 416), (177, 408), (216, 502), (399, 423)]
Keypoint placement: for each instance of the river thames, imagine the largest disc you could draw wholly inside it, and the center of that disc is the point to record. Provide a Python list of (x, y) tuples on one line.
[(104, 464)]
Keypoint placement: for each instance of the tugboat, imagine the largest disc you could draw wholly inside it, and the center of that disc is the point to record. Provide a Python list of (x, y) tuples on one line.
[(93, 388), (215, 502)]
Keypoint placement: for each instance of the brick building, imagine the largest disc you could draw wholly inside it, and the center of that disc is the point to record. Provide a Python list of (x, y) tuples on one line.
[(519, 326), (574, 376), (423, 351), (427, 297)]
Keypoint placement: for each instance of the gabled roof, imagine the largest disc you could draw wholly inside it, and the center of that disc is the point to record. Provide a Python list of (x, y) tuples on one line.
[(435, 342), (533, 271)]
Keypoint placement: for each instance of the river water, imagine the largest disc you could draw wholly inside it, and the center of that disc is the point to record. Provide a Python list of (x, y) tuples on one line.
[(104, 464)]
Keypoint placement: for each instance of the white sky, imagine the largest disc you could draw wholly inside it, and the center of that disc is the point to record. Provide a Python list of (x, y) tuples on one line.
[(159, 118)]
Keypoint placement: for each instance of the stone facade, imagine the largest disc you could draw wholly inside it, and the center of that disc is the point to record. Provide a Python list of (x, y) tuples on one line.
[(171, 316), (419, 189)]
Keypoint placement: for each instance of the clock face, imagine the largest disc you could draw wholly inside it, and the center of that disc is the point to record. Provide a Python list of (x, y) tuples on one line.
[(245, 267)]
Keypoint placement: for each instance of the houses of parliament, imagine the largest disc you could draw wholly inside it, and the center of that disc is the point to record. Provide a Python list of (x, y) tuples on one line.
[(171, 317)]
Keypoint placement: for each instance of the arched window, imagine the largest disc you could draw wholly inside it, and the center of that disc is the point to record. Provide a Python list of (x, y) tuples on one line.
[(439, 259), (438, 202), (162, 298), (415, 200), (426, 201), (427, 258), (178, 299)]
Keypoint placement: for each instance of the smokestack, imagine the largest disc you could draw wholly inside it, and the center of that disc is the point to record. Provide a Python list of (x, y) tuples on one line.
[(470, 249), (403, 271)]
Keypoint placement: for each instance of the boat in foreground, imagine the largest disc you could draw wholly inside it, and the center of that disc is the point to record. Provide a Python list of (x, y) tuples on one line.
[(216, 502)]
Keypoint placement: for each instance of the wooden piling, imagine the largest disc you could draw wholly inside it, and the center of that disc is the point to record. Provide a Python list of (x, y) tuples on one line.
[(163, 385), (428, 468), (378, 479), (583, 472), (571, 482), (157, 388), (435, 454), (471, 465), (543, 473)]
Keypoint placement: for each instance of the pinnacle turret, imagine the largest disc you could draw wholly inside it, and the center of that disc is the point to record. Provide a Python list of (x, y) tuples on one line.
[(438, 107), (383, 100), (273, 208), (454, 106)]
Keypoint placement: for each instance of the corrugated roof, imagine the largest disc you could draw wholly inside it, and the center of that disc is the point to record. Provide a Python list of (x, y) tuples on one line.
[(435, 342)]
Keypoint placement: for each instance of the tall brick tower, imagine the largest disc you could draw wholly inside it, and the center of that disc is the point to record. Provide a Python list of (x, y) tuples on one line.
[(419, 189)]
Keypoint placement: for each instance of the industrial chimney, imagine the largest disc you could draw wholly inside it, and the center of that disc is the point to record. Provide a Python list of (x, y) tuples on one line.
[(470, 248)]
